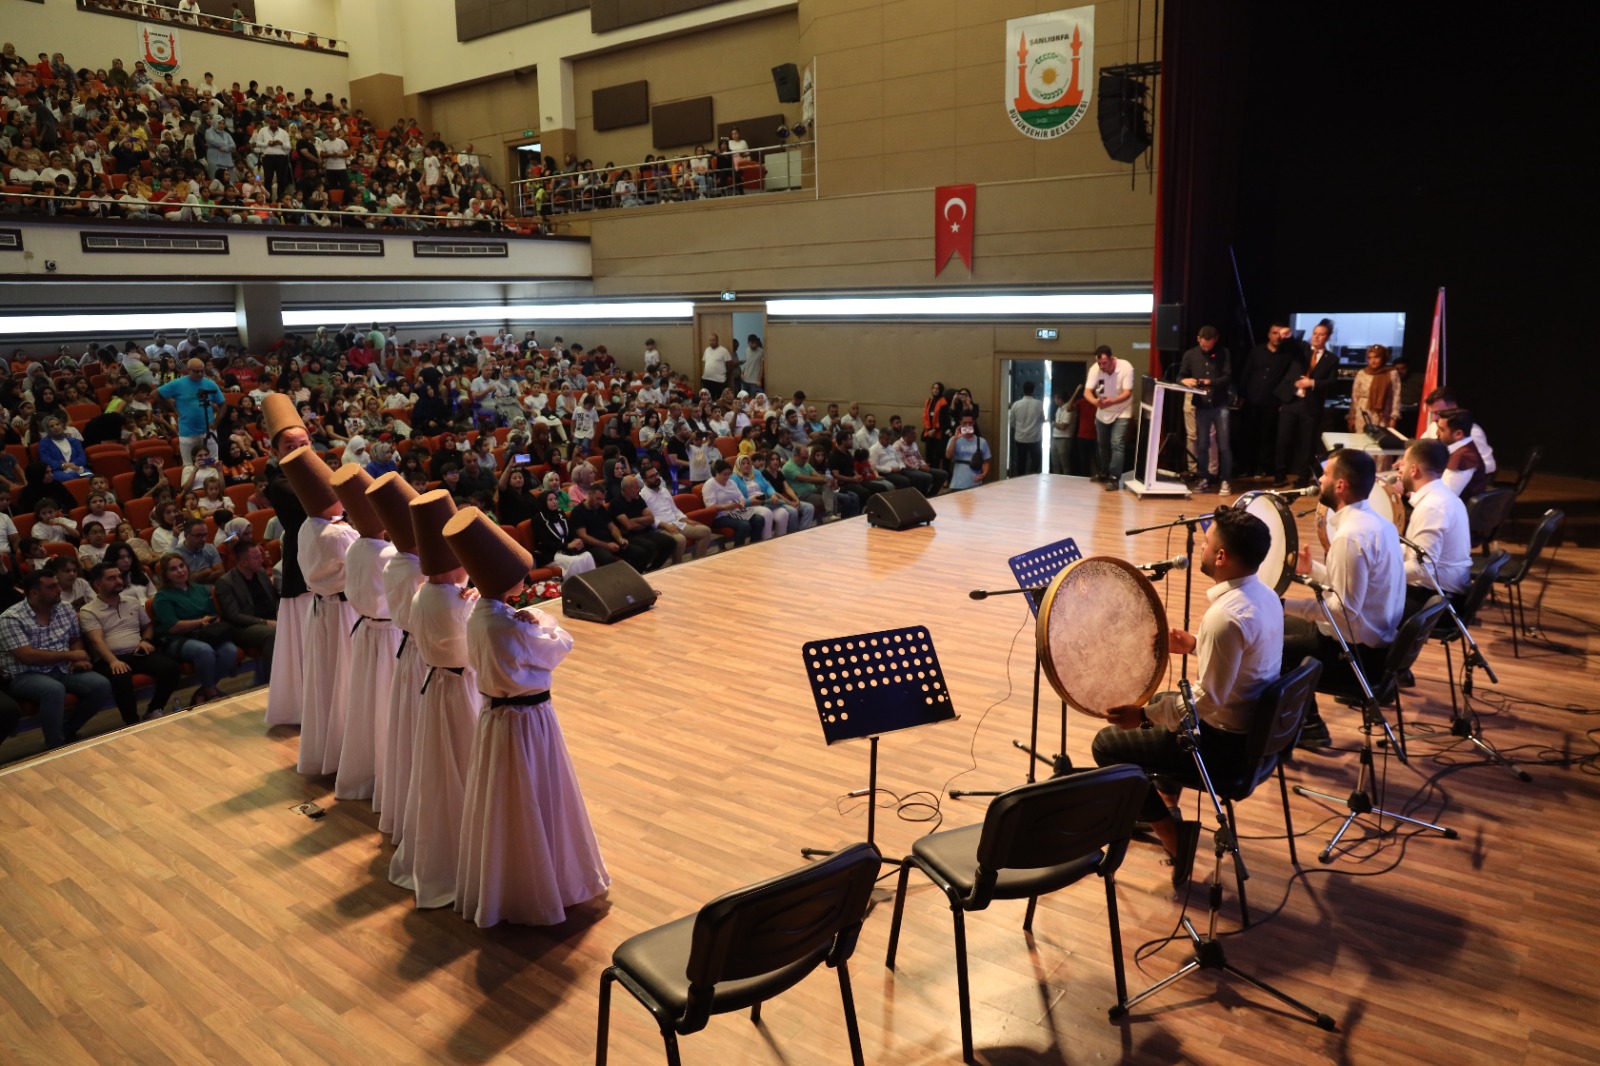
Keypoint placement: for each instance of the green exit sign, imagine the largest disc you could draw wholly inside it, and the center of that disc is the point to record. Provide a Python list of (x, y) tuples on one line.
[(527, 133)]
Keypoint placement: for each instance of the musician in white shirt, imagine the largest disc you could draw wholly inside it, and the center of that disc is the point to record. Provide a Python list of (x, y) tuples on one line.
[(1438, 526), (1238, 652), (1365, 580)]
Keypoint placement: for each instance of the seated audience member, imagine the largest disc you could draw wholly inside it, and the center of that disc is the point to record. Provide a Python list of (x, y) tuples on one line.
[(75, 591), (555, 538), (807, 474), (51, 526), (120, 637), (141, 549), (637, 522), (722, 495), (188, 630), (42, 659), (657, 495), (1465, 472), (63, 455), (248, 604), (779, 493), (99, 515), (841, 464), (92, 551), (776, 516), (916, 467), (591, 519)]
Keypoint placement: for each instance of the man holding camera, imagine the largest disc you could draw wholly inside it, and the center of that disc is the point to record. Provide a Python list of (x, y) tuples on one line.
[(197, 399)]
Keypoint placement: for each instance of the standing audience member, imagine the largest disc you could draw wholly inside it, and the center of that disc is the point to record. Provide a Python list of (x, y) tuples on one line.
[(1110, 385), (1264, 370), (969, 456), (1375, 393), (1027, 421), (1209, 366)]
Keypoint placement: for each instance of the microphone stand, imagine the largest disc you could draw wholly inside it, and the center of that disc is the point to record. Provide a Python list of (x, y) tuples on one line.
[(1209, 951), (1061, 764), (1360, 800), (1189, 526), (1466, 726)]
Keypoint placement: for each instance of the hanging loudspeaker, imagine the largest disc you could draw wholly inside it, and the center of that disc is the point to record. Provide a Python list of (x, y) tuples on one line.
[(1124, 123), (786, 79)]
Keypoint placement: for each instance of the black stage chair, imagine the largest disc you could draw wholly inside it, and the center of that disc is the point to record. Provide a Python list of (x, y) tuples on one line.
[(1467, 605), (1486, 513), (747, 946), (1408, 644), (1279, 712), (1513, 577), (1034, 839)]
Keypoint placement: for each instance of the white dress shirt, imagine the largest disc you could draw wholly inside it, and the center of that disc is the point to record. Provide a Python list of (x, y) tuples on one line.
[(1366, 576), (662, 505), (1439, 524), (1240, 652), (1027, 416), (885, 460)]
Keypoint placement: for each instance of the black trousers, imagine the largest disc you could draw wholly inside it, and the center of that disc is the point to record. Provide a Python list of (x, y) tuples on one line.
[(1257, 442), (1158, 752), (1301, 637), (276, 171), (162, 668), (1298, 424)]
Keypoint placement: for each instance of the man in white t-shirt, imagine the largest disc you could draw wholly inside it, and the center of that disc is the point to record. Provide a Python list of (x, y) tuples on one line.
[(1110, 388), (715, 362), (335, 153), (160, 348), (755, 363), (1027, 423)]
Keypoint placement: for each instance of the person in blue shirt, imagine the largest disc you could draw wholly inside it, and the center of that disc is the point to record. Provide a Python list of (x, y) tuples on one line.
[(64, 455), (194, 418)]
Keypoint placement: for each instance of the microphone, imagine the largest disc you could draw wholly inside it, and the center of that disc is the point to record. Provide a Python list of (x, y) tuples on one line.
[(979, 594), (1414, 546), (1309, 490), (1312, 583), (1177, 562)]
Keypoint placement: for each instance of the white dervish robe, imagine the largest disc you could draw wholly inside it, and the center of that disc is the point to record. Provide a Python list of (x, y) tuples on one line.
[(325, 645), (372, 651), (401, 577), (528, 851), (441, 747)]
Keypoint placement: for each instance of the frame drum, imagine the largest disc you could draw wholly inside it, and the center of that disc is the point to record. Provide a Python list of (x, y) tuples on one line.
[(1102, 635), (1277, 569), (1385, 503)]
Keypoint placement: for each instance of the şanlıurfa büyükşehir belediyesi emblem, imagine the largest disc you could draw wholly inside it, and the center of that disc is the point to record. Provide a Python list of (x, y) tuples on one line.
[(1048, 93)]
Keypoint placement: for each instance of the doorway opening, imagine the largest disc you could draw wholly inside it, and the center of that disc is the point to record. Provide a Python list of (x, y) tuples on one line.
[(1057, 383)]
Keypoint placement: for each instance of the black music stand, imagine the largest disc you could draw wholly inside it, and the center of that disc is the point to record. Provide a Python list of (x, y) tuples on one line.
[(875, 683), (1034, 570)]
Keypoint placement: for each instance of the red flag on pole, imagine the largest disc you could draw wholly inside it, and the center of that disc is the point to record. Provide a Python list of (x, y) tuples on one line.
[(954, 207), (1433, 377)]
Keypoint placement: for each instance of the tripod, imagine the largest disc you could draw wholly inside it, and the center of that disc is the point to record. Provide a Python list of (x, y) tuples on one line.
[(1209, 953), (1360, 800), (1466, 726)]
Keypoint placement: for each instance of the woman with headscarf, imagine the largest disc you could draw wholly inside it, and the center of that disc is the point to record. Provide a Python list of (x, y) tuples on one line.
[(42, 485), (782, 515), (555, 542), (1375, 391)]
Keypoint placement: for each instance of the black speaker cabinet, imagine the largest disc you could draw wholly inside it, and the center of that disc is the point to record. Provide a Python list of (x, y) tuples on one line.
[(1124, 124), (899, 509), (606, 594), (786, 79), (1169, 327)]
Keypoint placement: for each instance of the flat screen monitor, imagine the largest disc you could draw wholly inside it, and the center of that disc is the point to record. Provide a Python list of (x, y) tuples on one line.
[(1356, 331)]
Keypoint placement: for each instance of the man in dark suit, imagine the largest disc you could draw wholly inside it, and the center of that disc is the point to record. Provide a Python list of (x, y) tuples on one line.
[(1264, 368), (248, 603), (1303, 392)]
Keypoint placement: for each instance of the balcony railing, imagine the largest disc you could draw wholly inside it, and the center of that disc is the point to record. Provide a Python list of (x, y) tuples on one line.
[(266, 33), (776, 168)]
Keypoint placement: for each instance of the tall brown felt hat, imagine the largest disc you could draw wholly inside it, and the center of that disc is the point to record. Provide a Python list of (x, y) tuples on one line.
[(391, 496), (429, 513), (310, 479), (280, 414), (496, 563), (351, 482)]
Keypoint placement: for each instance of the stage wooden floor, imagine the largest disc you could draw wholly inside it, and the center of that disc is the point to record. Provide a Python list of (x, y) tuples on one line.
[(160, 902)]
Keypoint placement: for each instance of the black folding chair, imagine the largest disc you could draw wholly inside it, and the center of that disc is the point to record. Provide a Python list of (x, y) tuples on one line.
[(1512, 577), (746, 947), (1034, 839)]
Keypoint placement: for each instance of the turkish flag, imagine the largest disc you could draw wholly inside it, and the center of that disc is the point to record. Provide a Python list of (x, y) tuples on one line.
[(1433, 377), (954, 208)]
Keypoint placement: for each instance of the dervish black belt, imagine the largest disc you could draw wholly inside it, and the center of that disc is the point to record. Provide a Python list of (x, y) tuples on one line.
[(527, 699)]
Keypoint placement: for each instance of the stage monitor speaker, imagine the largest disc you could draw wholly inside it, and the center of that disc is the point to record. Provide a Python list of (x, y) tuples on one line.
[(899, 509), (1169, 327), (1124, 125), (606, 594), (786, 79)]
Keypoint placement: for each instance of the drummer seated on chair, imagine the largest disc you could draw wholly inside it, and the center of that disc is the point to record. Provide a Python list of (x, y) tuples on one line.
[(1365, 578), (1438, 526), (1239, 653)]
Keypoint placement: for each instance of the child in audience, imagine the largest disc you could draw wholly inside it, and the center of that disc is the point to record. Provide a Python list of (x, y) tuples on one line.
[(51, 525)]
